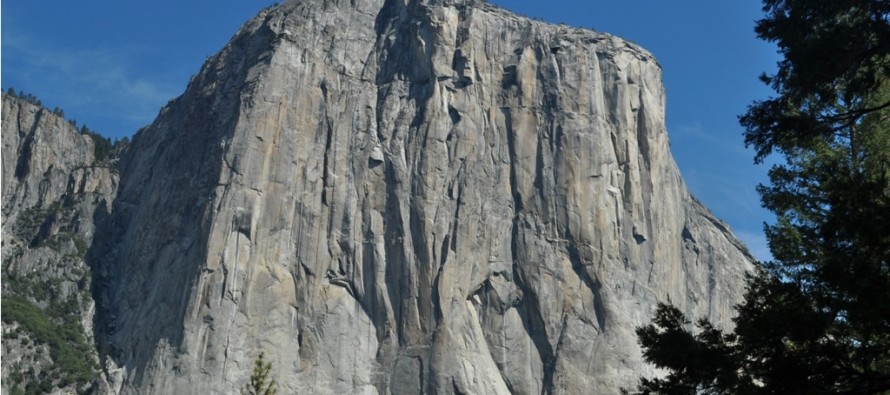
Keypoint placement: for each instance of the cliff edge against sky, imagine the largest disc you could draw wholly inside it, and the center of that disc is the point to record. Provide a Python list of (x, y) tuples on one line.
[(403, 197)]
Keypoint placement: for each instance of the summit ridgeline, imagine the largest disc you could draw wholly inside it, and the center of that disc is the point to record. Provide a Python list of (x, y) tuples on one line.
[(381, 197)]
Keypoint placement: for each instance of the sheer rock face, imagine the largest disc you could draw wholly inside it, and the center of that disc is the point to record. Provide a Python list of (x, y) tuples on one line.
[(405, 197), (46, 160), (54, 196)]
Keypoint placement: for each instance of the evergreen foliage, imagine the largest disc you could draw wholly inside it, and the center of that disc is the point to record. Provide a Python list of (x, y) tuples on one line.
[(260, 383), (56, 326), (104, 146), (836, 56), (816, 320), (28, 97)]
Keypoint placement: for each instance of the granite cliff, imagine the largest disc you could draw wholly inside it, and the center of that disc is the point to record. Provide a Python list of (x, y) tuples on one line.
[(55, 192), (398, 197)]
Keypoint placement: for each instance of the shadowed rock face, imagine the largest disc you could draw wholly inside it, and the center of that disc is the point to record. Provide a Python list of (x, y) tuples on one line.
[(55, 194), (405, 197)]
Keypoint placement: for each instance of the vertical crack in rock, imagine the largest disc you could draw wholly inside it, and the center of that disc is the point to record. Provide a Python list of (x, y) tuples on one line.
[(22, 166), (392, 196)]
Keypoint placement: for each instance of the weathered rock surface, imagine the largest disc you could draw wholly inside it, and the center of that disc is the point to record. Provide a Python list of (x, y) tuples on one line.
[(406, 197), (54, 194), (402, 197)]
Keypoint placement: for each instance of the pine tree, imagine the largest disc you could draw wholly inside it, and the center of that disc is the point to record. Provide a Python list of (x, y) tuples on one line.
[(816, 320), (260, 383)]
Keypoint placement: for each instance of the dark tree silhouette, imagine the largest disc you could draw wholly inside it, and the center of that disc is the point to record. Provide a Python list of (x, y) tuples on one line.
[(816, 320)]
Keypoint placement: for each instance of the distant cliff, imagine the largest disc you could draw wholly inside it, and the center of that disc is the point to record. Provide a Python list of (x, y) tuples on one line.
[(397, 197), (55, 190)]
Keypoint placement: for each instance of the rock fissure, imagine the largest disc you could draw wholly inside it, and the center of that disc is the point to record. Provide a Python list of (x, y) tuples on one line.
[(390, 197)]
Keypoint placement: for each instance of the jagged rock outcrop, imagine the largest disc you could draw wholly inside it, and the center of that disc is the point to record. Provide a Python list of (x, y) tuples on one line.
[(55, 191), (404, 197)]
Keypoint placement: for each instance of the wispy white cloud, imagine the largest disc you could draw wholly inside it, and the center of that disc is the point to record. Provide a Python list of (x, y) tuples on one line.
[(103, 84), (725, 192), (729, 143)]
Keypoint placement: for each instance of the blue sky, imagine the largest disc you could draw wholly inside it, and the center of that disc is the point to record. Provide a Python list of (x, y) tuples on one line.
[(112, 64)]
